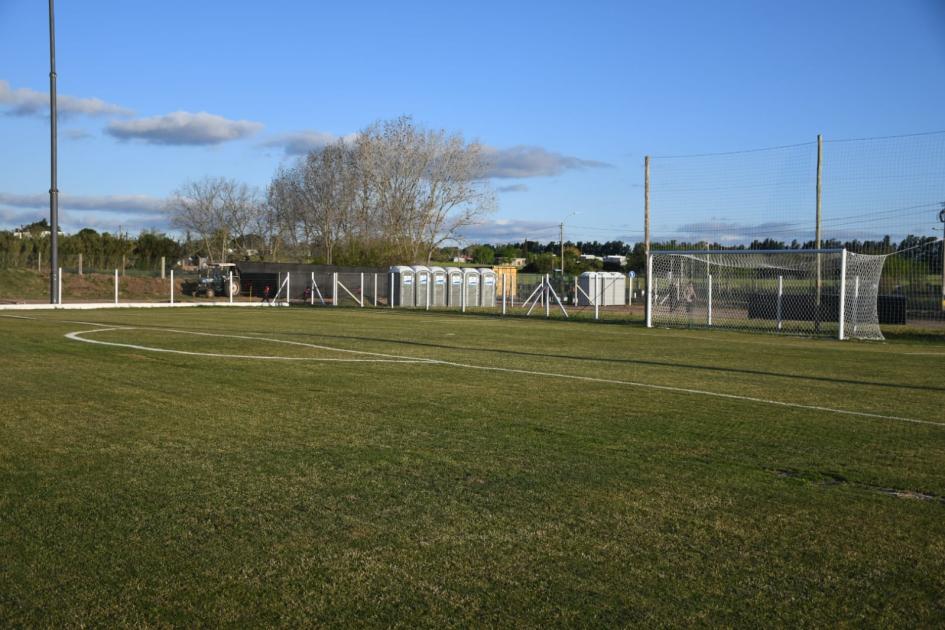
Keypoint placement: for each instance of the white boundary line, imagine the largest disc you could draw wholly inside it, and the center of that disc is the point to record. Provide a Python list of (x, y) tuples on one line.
[(77, 336), (393, 358)]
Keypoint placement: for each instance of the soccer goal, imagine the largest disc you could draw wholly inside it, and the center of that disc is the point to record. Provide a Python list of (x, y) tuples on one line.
[(816, 292)]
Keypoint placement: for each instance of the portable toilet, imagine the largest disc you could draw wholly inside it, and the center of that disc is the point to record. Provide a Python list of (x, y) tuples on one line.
[(454, 287), (402, 291), (487, 289), (422, 285), (471, 286), (589, 285), (438, 289), (614, 288)]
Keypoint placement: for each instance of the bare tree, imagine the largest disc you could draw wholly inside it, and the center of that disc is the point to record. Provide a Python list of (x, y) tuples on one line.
[(221, 212)]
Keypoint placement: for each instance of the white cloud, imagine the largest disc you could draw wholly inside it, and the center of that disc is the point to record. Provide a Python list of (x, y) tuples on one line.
[(527, 161), (183, 128), (130, 204), (77, 134), (301, 142), (28, 102), (512, 188), (509, 230)]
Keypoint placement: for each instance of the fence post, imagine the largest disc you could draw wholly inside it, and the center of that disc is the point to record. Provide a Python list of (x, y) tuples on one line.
[(856, 299), (547, 296), (229, 286), (80, 264), (172, 286), (843, 291), (597, 291), (649, 290), (429, 288), (362, 290), (288, 288), (390, 291), (375, 290), (312, 291), (59, 287), (162, 267), (780, 300), (710, 299), (505, 282), (463, 294), (334, 288), (116, 286)]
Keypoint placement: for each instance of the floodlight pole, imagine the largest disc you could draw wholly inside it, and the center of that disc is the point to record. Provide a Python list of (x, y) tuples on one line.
[(53, 189)]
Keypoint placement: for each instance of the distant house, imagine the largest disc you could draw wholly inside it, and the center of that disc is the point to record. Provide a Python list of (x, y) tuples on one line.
[(589, 257), (620, 261), (460, 259), (518, 263)]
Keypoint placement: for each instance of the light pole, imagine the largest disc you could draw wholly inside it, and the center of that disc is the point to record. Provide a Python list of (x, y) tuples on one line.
[(561, 234), (53, 190), (941, 217)]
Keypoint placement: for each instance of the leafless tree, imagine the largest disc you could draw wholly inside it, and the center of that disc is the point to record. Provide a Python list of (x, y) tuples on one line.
[(396, 192), (221, 212)]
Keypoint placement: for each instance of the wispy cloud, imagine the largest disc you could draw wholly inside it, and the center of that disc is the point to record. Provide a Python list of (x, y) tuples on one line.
[(301, 142), (506, 230), (183, 128), (131, 204), (29, 102), (528, 161), (512, 188), (77, 134)]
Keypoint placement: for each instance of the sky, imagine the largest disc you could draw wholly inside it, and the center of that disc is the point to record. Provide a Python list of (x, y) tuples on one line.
[(567, 96)]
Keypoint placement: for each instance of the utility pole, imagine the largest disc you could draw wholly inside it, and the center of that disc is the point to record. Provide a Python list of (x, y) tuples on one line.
[(53, 189), (561, 234), (819, 288)]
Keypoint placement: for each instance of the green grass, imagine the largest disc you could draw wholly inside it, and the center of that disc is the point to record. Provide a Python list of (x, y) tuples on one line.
[(142, 488)]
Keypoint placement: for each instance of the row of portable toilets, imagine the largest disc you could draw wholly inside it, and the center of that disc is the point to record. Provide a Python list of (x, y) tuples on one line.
[(454, 287)]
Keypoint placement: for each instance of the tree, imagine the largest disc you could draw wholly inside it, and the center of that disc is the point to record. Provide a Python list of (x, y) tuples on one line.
[(220, 211)]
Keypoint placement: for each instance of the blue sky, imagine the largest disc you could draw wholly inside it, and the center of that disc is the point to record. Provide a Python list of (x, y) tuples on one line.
[(571, 96)]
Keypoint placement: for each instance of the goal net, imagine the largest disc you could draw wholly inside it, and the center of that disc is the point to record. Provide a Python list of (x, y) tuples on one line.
[(826, 292)]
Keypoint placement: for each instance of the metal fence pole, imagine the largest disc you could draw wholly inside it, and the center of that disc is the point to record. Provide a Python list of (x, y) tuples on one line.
[(229, 287), (780, 300), (59, 287), (375, 290), (390, 291), (172, 286), (710, 300), (547, 296), (288, 287), (116, 286)]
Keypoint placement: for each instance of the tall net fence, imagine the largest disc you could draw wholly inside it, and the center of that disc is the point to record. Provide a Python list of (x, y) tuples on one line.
[(802, 293), (878, 196)]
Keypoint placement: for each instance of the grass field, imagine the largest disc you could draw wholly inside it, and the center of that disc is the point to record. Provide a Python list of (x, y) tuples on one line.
[(462, 471)]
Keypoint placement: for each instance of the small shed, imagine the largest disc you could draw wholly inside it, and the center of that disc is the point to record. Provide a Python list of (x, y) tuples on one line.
[(454, 287), (403, 285), (439, 287), (487, 289), (615, 289), (589, 289)]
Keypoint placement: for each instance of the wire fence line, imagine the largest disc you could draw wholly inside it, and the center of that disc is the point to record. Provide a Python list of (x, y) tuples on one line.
[(879, 196)]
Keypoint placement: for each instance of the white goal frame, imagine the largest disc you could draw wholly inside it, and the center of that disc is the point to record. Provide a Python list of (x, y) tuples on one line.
[(858, 288)]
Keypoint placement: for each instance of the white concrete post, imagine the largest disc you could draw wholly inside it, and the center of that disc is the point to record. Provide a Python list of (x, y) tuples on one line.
[(390, 291), (463, 292), (547, 296), (288, 287), (172, 286), (162, 267), (362, 289), (312, 291), (843, 292), (116, 286), (597, 284), (229, 287), (649, 291), (334, 289), (59, 287), (780, 300), (710, 300), (375, 290), (505, 283)]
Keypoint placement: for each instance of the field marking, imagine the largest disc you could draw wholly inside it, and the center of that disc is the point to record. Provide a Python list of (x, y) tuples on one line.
[(77, 336), (924, 354), (17, 317), (393, 358)]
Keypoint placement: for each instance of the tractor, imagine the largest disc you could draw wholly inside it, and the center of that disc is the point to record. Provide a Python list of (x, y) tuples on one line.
[(214, 281)]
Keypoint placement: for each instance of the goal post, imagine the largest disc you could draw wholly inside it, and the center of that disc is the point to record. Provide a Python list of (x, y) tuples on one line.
[(766, 291)]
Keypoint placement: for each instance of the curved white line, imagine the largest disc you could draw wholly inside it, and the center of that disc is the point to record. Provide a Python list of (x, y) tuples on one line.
[(77, 336), (393, 358)]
